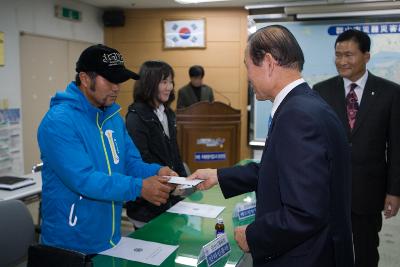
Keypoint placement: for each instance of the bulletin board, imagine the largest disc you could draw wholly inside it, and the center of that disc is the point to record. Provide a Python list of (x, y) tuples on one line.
[(317, 40)]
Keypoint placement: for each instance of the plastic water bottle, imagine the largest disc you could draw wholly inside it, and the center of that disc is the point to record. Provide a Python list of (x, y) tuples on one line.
[(219, 227)]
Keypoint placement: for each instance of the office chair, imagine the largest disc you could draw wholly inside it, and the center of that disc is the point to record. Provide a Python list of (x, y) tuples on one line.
[(40, 255), (38, 168), (17, 232), (46, 256)]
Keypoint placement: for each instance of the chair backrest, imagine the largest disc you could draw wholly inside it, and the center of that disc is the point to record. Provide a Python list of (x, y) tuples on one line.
[(17, 232), (37, 167), (47, 256)]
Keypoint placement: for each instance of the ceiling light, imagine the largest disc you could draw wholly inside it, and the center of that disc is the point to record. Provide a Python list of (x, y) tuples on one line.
[(348, 14), (284, 4), (269, 16), (185, 2)]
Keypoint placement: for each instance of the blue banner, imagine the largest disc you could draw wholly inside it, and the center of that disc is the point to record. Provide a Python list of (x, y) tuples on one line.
[(382, 28)]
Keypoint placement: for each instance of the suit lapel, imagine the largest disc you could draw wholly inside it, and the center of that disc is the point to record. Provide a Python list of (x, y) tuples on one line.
[(298, 89), (301, 88), (368, 98)]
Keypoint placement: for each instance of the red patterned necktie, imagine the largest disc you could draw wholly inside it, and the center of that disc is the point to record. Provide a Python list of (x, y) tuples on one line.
[(352, 105)]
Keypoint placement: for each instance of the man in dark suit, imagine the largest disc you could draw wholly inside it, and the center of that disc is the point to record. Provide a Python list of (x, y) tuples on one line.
[(369, 108), (303, 180), (195, 91)]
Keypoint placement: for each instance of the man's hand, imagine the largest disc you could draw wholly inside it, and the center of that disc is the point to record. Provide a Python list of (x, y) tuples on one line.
[(240, 237), (166, 171), (208, 175), (156, 190), (392, 204)]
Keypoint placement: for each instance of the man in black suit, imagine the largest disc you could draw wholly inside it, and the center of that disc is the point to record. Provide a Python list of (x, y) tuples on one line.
[(369, 108), (303, 180)]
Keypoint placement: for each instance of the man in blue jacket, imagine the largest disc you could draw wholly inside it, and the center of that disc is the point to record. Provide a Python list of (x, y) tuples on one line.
[(90, 165), (303, 181)]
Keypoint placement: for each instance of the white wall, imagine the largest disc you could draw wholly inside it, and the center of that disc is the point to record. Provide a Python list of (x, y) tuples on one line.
[(37, 17)]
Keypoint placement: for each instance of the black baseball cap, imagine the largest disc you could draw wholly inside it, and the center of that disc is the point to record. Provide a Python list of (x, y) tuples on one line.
[(105, 61)]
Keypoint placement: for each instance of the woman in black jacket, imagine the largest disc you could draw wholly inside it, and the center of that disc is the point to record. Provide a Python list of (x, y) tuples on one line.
[(151, 124)]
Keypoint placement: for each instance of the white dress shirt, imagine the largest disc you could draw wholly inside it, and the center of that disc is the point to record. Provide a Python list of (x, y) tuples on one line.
[(160, 112), (360, 86)]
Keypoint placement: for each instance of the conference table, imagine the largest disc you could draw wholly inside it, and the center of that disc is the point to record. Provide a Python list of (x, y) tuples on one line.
[(190, 233)]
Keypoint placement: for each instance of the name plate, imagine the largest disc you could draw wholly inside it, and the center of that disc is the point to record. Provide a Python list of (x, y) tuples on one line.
[(245, 210), (215, 250)]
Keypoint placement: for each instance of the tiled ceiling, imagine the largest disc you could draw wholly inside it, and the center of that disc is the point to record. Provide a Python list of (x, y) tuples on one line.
[(173, 4)]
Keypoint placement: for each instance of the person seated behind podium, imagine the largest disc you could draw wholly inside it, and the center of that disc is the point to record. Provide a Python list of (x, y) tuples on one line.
[(151, 124), (90, 164), (195, 91)]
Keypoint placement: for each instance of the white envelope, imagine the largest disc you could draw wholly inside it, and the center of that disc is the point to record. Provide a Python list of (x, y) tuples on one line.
[(183, 181)]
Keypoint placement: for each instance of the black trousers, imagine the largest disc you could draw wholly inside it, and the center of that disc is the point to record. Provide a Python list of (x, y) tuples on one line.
[(366, 239)]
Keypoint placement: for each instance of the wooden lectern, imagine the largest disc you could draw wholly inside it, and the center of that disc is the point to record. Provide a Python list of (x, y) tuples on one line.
[(208, 135)]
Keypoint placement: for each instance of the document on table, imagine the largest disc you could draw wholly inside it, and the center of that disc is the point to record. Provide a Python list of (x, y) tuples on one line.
[(183, 180), (139, 250), (202, 210)]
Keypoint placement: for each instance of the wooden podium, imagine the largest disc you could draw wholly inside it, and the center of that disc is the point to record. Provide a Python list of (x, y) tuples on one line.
[(208, 135)]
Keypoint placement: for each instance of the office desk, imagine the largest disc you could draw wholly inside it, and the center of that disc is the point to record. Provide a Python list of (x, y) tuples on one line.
[(26, 192), (189, 232)]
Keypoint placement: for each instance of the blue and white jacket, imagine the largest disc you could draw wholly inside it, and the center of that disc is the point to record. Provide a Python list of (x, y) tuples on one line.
[(90, 167)]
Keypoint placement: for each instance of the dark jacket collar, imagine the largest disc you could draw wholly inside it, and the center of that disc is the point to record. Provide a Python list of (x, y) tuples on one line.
[(145, 111), (370, 93), (299, 89)]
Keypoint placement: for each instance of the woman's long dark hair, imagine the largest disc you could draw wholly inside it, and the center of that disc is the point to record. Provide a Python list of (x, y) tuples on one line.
[(151, 74)]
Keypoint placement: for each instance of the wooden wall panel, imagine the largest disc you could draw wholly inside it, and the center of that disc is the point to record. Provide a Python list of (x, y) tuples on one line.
[(231, 83), (223, 29), (217, 54), (124, 99), (142, 30), (226, 36)]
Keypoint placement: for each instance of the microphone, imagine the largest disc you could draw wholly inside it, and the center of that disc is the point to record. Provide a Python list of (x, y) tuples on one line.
[(225, 97)]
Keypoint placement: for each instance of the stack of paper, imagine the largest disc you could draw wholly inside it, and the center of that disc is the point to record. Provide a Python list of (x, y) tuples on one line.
[(202, 210), (141, 251)]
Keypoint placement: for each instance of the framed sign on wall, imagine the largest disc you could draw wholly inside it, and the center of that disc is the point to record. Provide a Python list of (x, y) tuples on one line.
[(184, 33)]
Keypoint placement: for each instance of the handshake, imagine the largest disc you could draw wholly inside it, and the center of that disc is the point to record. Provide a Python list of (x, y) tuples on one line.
[(156, 189)]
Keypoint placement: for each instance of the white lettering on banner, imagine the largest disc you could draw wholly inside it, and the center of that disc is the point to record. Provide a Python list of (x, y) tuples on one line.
[(211, 142), (209, 156), (384, 28)]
